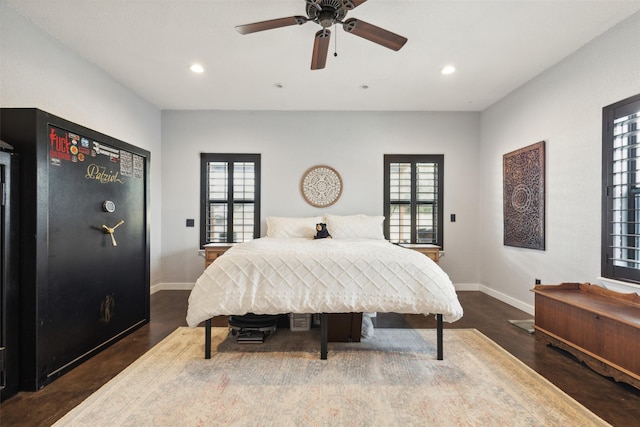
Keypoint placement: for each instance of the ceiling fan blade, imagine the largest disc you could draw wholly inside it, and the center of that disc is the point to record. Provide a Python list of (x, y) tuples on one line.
[(375, 34), (320, 49), (271, 24), (352, 4)]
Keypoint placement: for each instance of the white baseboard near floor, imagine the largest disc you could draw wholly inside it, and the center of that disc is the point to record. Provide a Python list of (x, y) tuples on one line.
[(171, 287), (528, 308), (459, 287), (467, 286)]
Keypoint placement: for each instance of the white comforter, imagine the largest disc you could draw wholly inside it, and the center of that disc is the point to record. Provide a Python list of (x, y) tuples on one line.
[(289, 275)]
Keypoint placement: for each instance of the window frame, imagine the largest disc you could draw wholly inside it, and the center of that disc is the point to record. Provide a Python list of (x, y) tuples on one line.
[(414, 159), (230, 159), (608, 268)]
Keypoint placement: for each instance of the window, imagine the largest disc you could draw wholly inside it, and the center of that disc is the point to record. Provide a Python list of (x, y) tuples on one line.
[(621, 190), (413, 194), (230, 198)]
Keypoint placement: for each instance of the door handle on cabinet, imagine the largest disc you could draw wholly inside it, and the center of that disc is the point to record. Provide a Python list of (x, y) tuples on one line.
[(110, 230)]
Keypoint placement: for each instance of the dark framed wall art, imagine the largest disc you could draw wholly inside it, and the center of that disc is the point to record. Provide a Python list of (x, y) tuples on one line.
[(524, 197)]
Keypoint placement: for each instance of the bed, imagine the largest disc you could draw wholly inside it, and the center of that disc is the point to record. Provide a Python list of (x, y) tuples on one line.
[(288, 271)]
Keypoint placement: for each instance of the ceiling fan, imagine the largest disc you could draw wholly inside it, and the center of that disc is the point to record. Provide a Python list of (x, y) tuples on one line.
[(327, 13)]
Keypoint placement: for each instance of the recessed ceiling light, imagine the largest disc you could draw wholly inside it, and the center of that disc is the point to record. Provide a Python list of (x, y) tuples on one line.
[(197, 68), (449, 69)]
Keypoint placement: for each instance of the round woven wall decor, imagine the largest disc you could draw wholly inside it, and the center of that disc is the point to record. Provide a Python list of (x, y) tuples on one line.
[(321, 186)]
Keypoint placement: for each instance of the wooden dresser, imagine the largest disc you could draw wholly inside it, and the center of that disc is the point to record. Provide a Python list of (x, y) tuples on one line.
[(213, 251), (598, 326), (432, 251)]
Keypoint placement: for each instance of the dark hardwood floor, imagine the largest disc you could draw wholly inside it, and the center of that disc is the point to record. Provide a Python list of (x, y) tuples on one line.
[(617, 403)]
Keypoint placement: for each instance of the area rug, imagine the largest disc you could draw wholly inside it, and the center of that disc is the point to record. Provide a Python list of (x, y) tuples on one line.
[(392, 379)]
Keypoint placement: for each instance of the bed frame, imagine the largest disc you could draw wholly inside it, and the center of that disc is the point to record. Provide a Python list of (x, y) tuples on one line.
[(323, 337)]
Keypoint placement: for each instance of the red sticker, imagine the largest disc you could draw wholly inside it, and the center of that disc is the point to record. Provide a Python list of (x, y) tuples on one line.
[(59, 144)]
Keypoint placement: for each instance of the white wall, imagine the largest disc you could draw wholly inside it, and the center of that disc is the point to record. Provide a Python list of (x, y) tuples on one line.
[(562, 106), (290, 142), (38, 72)]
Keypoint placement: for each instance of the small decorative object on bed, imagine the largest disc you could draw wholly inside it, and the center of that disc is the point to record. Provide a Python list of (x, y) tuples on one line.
[(321, 186), (523, 197), (321, 231), (357, 271)]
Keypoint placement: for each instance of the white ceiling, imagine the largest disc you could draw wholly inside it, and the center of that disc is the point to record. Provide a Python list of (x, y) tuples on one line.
[(496, 46)]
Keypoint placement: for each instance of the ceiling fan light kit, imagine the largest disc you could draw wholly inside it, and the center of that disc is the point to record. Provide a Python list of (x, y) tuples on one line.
[(327, 13)]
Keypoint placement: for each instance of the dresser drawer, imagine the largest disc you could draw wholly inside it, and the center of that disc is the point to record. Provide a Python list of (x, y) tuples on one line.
[(431, 251), (213, 250)]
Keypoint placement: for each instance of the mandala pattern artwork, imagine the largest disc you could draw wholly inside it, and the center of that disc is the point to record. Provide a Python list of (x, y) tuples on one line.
[(321, 186)]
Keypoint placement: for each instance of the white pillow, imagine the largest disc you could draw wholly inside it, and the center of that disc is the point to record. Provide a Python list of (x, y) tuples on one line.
[(278, 226), (362, 226)]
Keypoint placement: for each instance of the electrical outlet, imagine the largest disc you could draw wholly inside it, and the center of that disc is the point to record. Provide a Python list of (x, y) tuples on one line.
[(453, 217), (190, 222), (538, 281)]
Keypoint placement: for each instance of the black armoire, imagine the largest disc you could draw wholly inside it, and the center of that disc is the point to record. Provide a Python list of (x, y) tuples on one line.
[(84, 241), (9, 268)]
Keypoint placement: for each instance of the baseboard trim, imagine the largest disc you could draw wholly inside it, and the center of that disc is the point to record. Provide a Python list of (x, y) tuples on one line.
[(171, 287), (467, 286), (528, 308)]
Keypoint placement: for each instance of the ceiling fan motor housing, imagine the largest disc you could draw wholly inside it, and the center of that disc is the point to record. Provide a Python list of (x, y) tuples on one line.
[(328, 12)]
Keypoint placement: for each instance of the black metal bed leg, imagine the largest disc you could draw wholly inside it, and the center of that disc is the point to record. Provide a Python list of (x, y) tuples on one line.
[(324, 334), (207, 339), (439, 335)]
